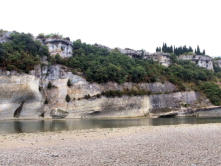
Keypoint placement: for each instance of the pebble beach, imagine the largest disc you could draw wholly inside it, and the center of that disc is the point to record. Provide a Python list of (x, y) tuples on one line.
[(181, 145)]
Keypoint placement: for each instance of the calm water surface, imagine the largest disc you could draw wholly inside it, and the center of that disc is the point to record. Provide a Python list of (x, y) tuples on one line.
[(30, 126)]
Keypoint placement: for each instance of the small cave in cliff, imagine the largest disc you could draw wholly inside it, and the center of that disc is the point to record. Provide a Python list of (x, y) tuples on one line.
[(18, 110)]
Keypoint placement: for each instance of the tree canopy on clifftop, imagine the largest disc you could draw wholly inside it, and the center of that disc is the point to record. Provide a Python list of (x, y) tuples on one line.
[(21, 52), (180, 50)]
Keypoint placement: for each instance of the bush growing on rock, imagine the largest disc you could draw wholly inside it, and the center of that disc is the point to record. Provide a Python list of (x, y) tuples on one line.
[(50, 86), (98, 95), (69, 84), (118, 93), (212, 91), (112, 93), (68, 98), (87, 96), (46, 101)]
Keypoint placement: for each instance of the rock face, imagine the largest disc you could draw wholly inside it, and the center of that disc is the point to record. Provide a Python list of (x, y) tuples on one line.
[(217, 63), (104, 107), (173, 102), (4, 36), (20, 91), (58, 114), (160, 57), (201, 60), (30, 96)]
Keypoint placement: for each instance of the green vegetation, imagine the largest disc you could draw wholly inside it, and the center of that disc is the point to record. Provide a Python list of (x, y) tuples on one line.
[(118, 93), (212, 91), (198, 52), (185, 72), (189, 72), (21, 52), (52, 35), (179, 50), (100, 65), (216, 67)]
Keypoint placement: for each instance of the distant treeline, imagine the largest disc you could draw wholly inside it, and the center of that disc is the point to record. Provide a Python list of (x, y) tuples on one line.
[(179, 50)]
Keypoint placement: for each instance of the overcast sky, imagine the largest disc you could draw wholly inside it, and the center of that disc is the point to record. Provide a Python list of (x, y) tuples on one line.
[(136, 24)]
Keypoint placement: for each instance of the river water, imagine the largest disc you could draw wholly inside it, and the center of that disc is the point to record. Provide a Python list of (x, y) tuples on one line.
[(31, 126)]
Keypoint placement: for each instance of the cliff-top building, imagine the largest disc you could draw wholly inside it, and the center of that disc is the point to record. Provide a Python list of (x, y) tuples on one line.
[(58, 45), (200, 60), (162, 58)]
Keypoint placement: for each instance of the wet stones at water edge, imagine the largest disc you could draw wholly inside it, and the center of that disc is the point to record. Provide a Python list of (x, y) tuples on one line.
[(58, 113)]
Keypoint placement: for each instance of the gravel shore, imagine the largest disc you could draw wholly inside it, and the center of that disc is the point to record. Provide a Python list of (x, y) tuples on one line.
[(182, 145)]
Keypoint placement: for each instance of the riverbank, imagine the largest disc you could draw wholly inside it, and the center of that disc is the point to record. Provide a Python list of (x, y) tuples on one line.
[(181, 145)]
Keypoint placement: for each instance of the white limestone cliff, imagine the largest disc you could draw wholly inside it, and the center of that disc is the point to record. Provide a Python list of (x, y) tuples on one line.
[(30, 97)]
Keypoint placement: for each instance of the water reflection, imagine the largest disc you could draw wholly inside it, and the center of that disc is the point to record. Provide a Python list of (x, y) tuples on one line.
[(27, 126), (18, 126)]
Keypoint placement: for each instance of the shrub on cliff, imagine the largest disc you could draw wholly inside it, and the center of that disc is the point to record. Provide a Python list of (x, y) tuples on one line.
[(189, 72), (21, 52), (212, 91), (87, 96), (68, 98), (69, 83), (102, 65), (132, 92), (50, 85)]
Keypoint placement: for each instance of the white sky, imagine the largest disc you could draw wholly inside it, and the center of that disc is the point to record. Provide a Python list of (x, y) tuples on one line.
[(136, 24)]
